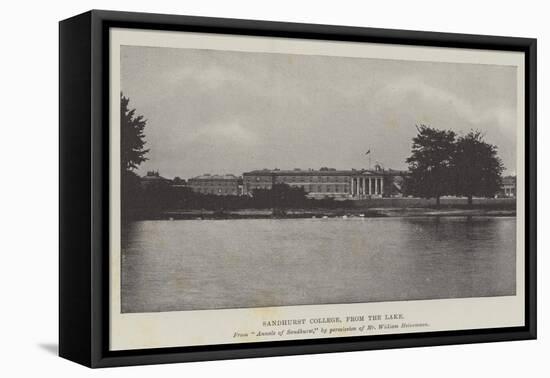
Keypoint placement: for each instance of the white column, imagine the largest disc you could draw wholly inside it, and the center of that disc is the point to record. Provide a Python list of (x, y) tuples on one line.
[(369, 192), (364, 191), (376, 185), (381, 186), (352, 187)]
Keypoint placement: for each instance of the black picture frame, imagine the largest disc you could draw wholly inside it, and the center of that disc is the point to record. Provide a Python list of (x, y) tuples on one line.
[(84, 187)]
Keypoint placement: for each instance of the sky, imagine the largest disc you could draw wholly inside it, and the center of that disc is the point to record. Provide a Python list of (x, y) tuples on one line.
[(220, 112)]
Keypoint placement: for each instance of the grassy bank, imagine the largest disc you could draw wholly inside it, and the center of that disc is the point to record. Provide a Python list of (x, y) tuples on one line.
[(445, 203)]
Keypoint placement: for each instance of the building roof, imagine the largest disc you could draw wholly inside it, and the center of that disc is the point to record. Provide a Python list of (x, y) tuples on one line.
[(153, 176), (208, 176), (319, 172)]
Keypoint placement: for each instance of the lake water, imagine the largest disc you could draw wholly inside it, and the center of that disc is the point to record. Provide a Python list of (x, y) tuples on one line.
[(207, 264)]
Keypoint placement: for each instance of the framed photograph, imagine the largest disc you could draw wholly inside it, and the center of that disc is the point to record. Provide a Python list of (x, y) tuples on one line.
[(234, 188)]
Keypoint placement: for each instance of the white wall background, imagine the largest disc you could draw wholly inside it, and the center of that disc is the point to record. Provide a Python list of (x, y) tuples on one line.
[(29, 188)]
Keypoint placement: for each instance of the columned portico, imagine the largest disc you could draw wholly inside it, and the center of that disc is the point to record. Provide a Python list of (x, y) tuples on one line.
[(366, 186)]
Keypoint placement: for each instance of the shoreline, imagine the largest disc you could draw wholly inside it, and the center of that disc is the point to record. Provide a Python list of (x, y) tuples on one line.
[(333, 213)]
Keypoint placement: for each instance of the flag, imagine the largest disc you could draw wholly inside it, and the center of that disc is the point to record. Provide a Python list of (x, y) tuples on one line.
[(368, 152)]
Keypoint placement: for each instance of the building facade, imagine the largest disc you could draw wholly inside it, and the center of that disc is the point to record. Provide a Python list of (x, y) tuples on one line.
[(508, 187), (221, 185), (326, 182)]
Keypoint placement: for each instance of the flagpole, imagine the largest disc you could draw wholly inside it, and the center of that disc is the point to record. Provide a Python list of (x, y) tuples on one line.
[(369, 152)]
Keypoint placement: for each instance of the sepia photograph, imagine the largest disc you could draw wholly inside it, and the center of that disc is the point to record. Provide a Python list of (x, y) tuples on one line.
[(253, 179)]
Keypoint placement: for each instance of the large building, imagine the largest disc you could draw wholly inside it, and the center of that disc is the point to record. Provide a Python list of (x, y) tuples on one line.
[(328, 182), (221, 185)]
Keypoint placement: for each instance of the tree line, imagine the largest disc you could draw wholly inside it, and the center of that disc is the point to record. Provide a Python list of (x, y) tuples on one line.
[(152, 200)]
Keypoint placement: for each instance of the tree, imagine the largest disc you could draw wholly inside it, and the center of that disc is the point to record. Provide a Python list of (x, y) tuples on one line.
[(430, 163), (132, 136), (178, 181), (131, 156), (280, 196), (477, 168)]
